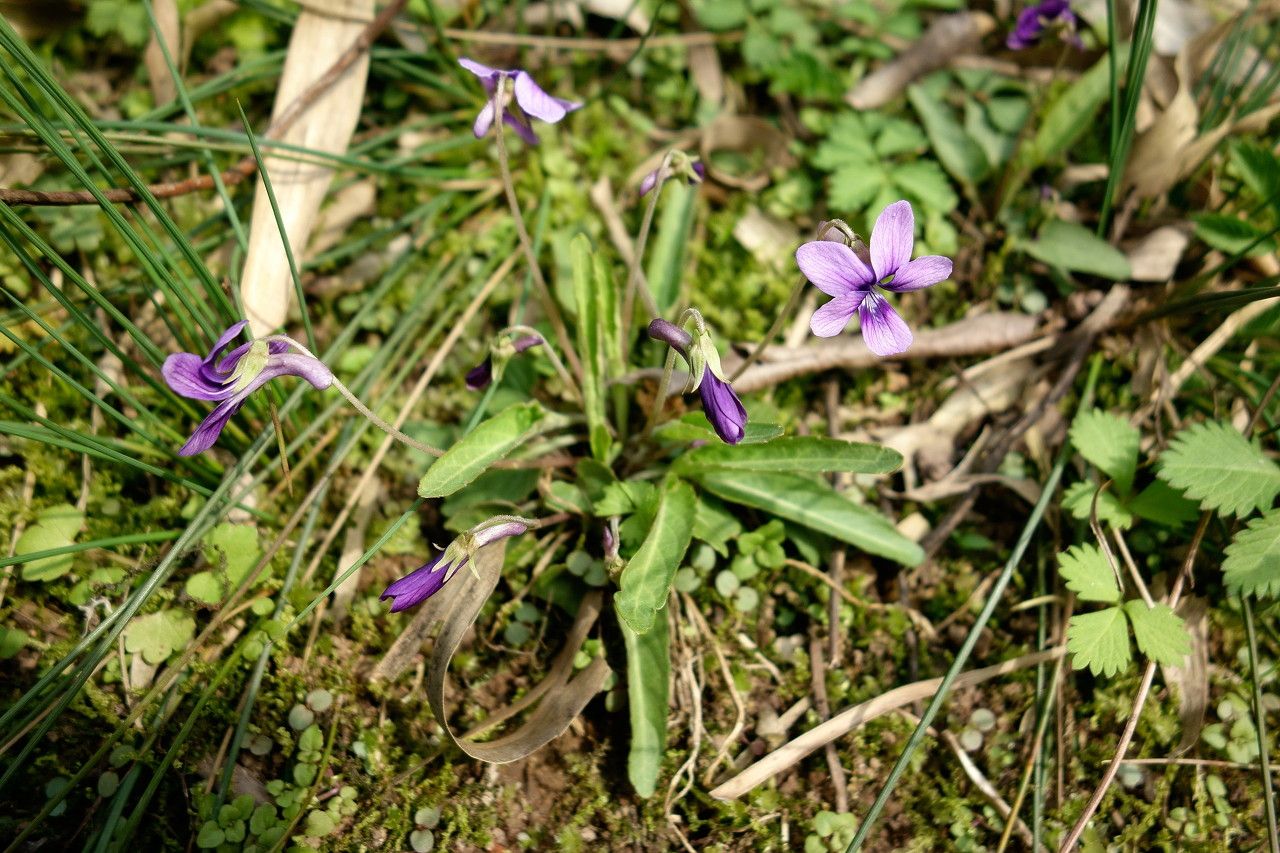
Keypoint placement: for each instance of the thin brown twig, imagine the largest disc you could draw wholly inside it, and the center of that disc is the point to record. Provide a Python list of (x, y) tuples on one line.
[(248, 166)]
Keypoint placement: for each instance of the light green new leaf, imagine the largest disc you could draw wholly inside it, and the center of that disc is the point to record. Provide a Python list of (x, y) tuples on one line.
[(667, 258), (1252, 566), (1160, 633), (1217, 466), (158, 635), (1110, 443), (1099, 641), (802, 454), (480, 448), (54, 527), (1078, 500), (598, 330), (237, 544), (1070, 246), (816, 506), (1086, 572), (646, 581), (648, 673), (1163, 504)]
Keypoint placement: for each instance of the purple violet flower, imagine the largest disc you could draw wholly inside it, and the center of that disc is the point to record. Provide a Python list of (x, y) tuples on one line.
[(479, 377), (232, 377), (857, 284), (720, 402), (422, 583), (699, 174), (1034, 20), (530, 101)]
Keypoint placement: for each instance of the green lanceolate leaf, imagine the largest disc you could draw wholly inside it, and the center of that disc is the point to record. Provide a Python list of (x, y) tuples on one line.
[(666, 261), (802, 454), (1159, 631), (480, 448), (1086, 572), (1099, 641), (646, 580), (1217, 466), (695, 427), (1252, 566), (815, 505), (960, 154), (648, 671), (598, 332), (1110, 444), (1069, 246)]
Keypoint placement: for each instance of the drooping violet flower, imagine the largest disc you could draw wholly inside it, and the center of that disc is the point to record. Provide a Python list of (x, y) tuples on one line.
[(1034, 20), (857, 282), (230, 378), (479, 377), (530, 101), (695, 173), (720, 402), (422, 583)]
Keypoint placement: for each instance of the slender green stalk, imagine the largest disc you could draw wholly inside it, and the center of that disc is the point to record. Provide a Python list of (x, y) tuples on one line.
[(787, 313), (110, 542), (635, 279), (1143, 40), (1260, 728), (966, 649)]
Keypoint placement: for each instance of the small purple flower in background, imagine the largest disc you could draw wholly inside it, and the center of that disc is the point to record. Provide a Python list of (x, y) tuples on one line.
[(419, 585), (1034, 20), (479, 377), (232, 377), (695, 174), (720, 402), (856, 282), (531, 101)]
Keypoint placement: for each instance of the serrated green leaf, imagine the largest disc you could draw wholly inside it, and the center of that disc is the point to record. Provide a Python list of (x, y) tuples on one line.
[(1233, 235), (1086, 572), (1160, 633), (1110, 443), (1259, 169), (1072, 247), (1217, 466), (1163, 504), (1078, 500), (648, 674), (646, 581), (816, 506), (54, 527), (924, 182), (480, 448), (802, 454), (158, 635), (1099, 641), (1252, 564)]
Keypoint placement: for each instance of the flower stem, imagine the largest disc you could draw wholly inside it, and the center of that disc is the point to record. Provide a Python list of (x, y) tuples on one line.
[(635, 279), (508, 185), (552, 357), (660, 401), (383, 425), (787, 310)]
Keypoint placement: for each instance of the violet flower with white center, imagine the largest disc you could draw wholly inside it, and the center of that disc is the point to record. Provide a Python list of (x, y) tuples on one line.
[(530, 101), (420, 584), (720, 402), (694, 174), (480, 376), (857, 282), (1034, 20), (230, 378)]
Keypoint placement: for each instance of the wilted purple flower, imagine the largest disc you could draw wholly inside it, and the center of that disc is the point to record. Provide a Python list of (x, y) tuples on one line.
[(696, 175), (420, 584), (232, 377), (856, 284), (479, 377), (530, 99), (1034, 20), (720, 402)]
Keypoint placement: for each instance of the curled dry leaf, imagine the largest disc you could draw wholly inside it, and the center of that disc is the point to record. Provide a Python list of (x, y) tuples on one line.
[(948, 36), (751, 136), (1191, 678), (769, 240), (1156, 256), (167, 28)]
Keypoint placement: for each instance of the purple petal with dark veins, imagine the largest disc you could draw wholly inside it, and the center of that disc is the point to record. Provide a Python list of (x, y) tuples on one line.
[(833, 268), (417, 586), (923, 272), (885, 332), (892, 239), (723, 408), (184, 373), (830, 320)]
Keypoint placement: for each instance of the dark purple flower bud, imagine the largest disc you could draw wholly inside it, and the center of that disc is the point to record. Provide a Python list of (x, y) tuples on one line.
[(479, 377), (723, 408), (530, 101), (417, 586), (527, 342), (232, 377), (698, 174), (1034, 20), (671, 335)]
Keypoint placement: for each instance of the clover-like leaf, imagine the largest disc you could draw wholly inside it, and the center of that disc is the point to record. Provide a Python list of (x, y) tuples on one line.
[(1160, 633), (158, 635), (1110, 444), (1252, 566), (1086, 572), (1099, 641), (1217, 466)]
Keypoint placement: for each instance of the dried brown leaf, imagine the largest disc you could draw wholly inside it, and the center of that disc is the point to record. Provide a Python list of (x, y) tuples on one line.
[(948, 36)]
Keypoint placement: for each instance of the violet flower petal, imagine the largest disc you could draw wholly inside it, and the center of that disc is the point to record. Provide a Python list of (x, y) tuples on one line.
[(484, 121), (723, 408), (479, 377), (419, 585), (184, 373), (884, 331), (834, 268), (493, 533), (830, 320), (520, 126), (892, 238), (484, 72), (923, 272), (537, 103), (670, 334)]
